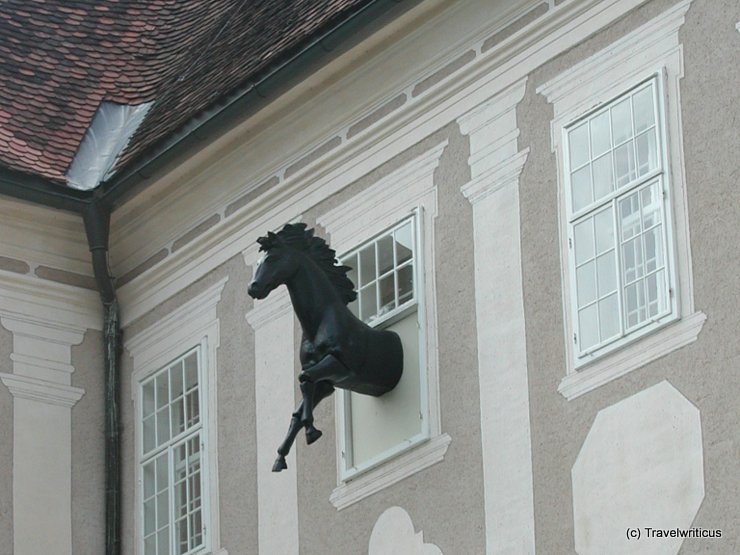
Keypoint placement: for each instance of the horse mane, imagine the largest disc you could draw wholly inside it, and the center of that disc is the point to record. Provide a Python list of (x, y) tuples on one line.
[(298, 237)]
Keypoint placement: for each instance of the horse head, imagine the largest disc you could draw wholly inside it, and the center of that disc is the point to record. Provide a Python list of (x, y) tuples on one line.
[(275, 268)]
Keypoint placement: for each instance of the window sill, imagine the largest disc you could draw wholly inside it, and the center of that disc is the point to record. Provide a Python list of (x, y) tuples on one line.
[(638, 354), (395, 470)]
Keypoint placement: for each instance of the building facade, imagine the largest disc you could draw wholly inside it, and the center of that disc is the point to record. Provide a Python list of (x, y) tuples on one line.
[(539, 197)]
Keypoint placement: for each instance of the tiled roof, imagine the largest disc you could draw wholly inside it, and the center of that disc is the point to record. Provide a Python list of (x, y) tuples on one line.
[(59, 59)]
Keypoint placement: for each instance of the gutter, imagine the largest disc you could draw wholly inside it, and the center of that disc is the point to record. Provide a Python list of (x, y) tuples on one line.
[(97, 227), (95, 206)]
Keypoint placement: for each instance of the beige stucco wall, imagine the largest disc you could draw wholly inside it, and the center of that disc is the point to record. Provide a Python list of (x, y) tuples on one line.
[(705, 371), (6, 447), (88, 447)]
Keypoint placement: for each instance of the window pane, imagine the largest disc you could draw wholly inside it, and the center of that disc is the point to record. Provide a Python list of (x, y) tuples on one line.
[(178, 417), (149, 437), (387, 294), (148, 398), (635, 307), (385, 254), (162, 471), (606, 268), (163, 426), (196, 527), (603, 176), (176, 380), (193, 408), (647, 152), (609, 317), (586, 283), (653, 249), (632, 260), (651, 200), (368, 303), (164, 542), (148, 479), (149, 517), (644, 109), (163, 515), (367, 265), (621, 121), (578, 145), (629, 214), (588, 330), (584, 241), (163, 390), (191, 371), (600, 135), (405, 284), (655, 293), (181, 536), (150, 545), (624, 161), (404, 244), (581, 188), (604, 224)]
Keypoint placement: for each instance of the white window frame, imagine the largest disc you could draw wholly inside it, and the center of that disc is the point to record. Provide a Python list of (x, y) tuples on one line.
[(652, 49), (409, 191), (347, 469), (660, 176), (193, 325)]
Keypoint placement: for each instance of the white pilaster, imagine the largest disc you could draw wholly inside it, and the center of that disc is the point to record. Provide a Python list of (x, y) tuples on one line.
[(43, 398), (274, 382), (493, 191)]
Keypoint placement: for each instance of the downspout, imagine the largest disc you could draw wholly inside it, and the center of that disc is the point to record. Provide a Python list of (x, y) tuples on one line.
[(97, 227)]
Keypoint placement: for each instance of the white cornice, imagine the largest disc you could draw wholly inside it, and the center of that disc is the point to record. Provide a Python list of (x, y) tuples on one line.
[(196, 314), (42, 391), (651, 41), (506, 173), (23, 296), (488, 74)]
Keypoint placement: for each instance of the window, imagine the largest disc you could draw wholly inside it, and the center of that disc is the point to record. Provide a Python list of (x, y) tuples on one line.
[(624, 226), (375, 428), (172, 445), (173, 388), (386, 233), (617, 191)]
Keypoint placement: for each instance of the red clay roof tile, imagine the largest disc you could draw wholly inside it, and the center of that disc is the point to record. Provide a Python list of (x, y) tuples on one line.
[(60, 58)]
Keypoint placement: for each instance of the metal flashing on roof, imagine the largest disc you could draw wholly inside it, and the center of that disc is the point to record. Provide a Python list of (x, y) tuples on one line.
[(105, 140)]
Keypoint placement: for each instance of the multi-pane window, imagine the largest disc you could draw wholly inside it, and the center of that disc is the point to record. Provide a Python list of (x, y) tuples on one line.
[(172, 458), (384, 271), (616, 190)]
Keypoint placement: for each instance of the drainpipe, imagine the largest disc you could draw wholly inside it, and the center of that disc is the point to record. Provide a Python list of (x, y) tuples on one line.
[(97, 227)]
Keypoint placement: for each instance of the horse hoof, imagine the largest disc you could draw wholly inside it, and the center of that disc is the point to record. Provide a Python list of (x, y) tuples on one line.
[(312, 435), (279, 465)]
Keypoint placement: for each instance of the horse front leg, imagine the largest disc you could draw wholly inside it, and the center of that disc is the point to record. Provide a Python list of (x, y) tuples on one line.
[(284, 449), (327, 370), (321, 391)]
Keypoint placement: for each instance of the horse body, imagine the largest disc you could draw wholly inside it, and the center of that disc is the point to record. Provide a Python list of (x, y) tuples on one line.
[(337, 349)]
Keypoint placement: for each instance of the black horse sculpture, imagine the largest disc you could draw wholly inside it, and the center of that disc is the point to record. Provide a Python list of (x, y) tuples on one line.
[(337, 349)]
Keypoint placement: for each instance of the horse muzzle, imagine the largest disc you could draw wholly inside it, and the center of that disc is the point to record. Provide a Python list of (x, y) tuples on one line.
[(257, 291)]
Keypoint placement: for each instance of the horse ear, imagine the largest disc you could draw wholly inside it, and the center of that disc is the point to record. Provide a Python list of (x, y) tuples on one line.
[(271, 236)]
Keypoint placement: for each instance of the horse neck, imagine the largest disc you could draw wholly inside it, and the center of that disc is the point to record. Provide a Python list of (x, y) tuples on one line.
[(311, 293)]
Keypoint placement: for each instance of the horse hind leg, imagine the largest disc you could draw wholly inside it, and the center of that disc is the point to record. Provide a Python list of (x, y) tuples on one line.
[(316, 392)]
